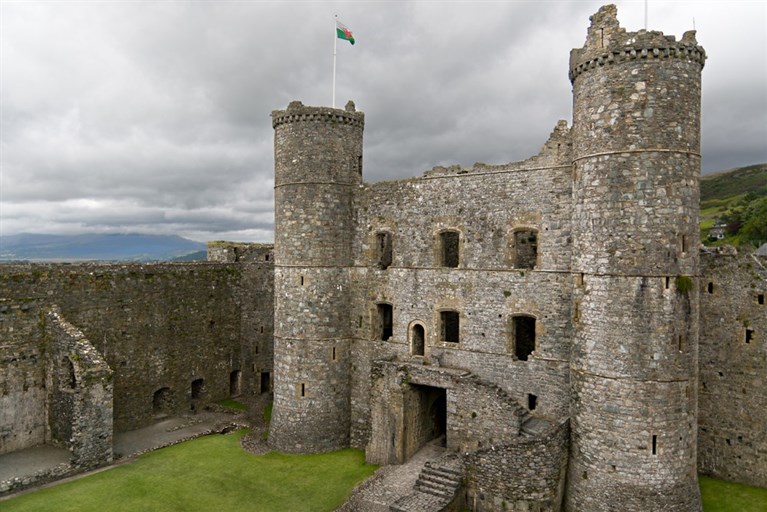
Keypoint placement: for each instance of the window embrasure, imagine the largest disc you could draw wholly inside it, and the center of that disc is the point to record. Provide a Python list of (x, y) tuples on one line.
[(449, 248)]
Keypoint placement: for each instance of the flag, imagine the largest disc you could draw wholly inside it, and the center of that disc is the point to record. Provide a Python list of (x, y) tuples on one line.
[(343, 32)]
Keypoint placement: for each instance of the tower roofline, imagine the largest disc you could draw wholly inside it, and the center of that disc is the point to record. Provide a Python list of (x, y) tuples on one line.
[(609, 43), (297, 112)]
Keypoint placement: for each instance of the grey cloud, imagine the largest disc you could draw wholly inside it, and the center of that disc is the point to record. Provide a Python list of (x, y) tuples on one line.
[(154, 117)]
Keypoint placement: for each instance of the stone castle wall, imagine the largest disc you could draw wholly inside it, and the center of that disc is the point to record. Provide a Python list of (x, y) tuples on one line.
[(732, 400), (22, 367), (156, 325), (486, 288)]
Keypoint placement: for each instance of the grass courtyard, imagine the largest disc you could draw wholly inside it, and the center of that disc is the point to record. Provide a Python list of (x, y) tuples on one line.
[(210, 473), (215, 473)]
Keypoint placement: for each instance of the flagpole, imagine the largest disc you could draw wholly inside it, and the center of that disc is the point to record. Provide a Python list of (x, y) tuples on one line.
[(335, 47)]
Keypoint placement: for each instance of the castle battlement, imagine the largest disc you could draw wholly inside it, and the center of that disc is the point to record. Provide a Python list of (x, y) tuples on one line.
[(297, 112), (608, 43)]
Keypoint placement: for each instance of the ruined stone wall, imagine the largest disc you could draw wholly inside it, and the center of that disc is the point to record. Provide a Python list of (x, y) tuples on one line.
[(157, 326), (732, 400), (487, 288), (79, 394), (520, 477)]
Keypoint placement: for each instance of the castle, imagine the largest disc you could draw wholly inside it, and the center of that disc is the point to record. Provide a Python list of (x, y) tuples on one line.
[(554, 319)]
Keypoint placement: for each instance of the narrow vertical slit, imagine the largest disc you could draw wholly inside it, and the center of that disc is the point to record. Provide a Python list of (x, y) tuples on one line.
[(654, 445)]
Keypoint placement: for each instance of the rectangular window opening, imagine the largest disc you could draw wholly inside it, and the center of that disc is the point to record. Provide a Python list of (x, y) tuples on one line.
[(710, 288), (449, 326), (668, 282), (654, 445), (523, 336), (532, 401), (383, 250), (525, 248), (760, 299), (749, 335), (385, 321), (334, 354), (303, 391), (450, 241)]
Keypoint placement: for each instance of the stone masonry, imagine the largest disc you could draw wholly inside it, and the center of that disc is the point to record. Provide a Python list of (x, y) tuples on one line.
[(551, 322)]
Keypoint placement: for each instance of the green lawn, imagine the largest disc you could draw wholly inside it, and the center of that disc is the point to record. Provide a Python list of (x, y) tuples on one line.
[(233, 404), (210, 473), (721, 496), (214, 473)]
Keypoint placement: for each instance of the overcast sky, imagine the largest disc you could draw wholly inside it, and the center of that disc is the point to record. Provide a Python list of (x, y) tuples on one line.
[(153, 116)]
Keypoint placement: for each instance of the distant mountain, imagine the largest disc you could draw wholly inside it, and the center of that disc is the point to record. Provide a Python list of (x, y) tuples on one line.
[(115, 247), (734, 182)]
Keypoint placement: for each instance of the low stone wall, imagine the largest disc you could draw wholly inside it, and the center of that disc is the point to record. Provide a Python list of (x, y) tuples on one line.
[(20, 483), (527, 476)]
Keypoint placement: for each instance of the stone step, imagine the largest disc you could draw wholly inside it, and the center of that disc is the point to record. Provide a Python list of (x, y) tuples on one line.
[(447, 471), (419, 502), (439, 479), (435, 491)]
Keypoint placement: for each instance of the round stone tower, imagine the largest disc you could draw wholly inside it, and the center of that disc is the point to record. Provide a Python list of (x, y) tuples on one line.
[(636, 164), (317, 167)]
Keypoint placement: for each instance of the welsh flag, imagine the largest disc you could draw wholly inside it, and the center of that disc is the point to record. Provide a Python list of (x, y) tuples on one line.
[(343, 32)]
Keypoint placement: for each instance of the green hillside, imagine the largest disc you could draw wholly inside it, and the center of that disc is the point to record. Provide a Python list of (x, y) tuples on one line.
[(737, 200)]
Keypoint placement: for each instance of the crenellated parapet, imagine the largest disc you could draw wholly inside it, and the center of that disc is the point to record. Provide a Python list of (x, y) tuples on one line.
[(297, 112), (608, 43)]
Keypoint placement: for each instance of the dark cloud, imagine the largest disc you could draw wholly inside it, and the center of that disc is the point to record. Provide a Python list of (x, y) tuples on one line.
[(154, 116)]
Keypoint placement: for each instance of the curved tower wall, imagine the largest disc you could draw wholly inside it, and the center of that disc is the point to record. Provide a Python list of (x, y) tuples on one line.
[(636, 164), (318, 158)]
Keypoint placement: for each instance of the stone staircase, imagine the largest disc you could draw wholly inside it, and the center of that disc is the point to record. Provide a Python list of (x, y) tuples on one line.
[(435, 489)]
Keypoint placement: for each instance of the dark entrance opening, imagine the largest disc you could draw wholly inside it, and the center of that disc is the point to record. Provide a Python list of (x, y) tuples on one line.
[(162, 403), (425, 417), (198, 388), (265, 378), (235, 378)]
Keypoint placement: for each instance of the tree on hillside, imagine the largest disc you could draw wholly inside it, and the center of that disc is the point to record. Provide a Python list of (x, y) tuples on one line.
[(754, 227)]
